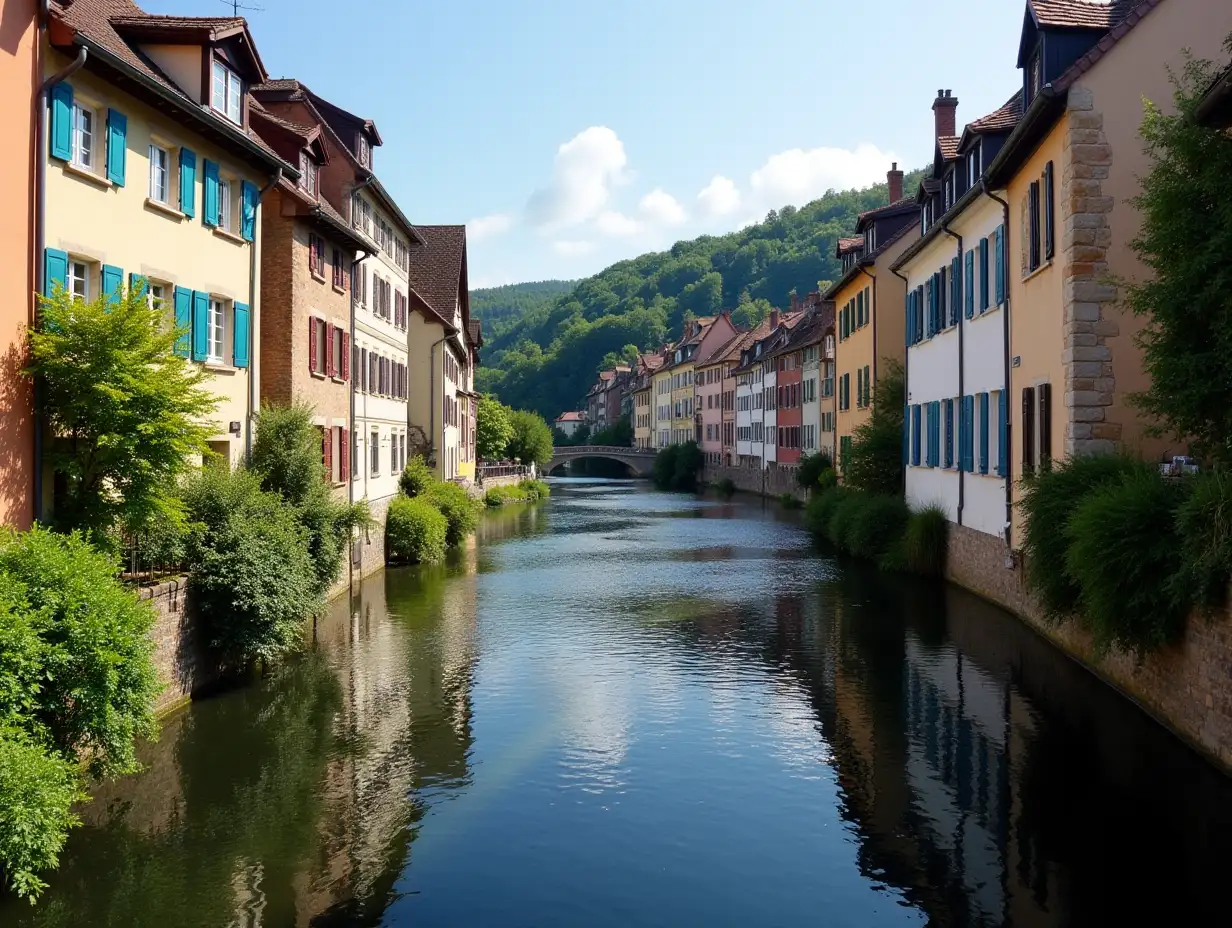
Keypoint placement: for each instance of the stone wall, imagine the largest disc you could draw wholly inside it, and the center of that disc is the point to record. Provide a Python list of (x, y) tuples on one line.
[(180, 655), (368, 552), (774, 481), (1187, 687)]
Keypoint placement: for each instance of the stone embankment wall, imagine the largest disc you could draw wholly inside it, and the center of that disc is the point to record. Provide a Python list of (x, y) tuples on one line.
[(771, 482), (1187, 687)]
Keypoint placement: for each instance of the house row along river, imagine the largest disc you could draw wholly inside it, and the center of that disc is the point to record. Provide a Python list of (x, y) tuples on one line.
[(629, 708)]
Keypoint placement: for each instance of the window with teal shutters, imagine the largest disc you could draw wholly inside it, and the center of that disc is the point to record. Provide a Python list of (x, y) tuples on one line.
[(183, 321), (209, 209), (137, 283), (1002, 436), (949, 433), (915, 435), (61, 134), (983, 274), (55, 270), (956, 289), (969, 303), (113, 283), (240, 348), (982, 412), (248, 211), (999, 238), (943, 284), (117, 146), (907, 327), (188, 182), (966, 419), (928, 301), (200, 325)]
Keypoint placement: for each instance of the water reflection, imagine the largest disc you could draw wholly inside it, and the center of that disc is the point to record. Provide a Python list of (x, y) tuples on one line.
[(629, 708)]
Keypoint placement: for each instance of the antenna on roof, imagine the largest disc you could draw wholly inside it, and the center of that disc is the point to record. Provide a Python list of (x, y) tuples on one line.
[(236, 6)]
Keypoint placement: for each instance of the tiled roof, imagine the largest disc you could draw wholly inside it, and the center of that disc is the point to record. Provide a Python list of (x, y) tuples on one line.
[(307, 133), (949, 146), (1080, 14), (1005, 117), (850, 244), (652, 361), (475, 329), (436, 267), (889, 207), (569, 417), (213, 23), (279, 84)]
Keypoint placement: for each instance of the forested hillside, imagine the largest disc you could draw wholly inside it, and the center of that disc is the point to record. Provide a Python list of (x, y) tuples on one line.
[(500, 307), (546, 358)]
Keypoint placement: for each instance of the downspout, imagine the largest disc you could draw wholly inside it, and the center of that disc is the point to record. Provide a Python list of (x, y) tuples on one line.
[(962, 474), (1005, 341), (355, 375), (432, 391), (906, 372), (254, 366), (40, 226)]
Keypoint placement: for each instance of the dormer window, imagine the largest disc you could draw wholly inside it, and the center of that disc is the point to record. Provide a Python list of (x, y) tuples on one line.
[(975, 165), (870, 239), (227, 93), (949, 190), (307, 173), (362, 151), (1035, 78)]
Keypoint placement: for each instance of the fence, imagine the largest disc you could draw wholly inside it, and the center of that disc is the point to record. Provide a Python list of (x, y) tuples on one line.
[(490, 471)]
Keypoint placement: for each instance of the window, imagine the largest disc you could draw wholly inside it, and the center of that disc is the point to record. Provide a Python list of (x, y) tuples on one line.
[(79, 280), (374, 453), (362, 151), (316, 255), (340, 277), (393, 454), (156, 294), (83, 137), (1033, 227), (224, 204), (307, 173), (336, 344), (160, 172), (228, 89), (1037, 77), (1049, 217), (949, 191), (216, 329), (975, 165)]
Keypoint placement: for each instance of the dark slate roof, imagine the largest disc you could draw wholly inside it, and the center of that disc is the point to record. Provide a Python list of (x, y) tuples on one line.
[(436, 267)]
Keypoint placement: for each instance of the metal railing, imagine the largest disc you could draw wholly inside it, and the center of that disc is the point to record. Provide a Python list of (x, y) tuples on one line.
[(487, 471), (598, 449)]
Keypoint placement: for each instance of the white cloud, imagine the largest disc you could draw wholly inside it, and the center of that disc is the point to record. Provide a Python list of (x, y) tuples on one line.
[(586, 168), (572, 248), (797, 176), (617, 225), (661, 208), (720, 197), (488, 226)]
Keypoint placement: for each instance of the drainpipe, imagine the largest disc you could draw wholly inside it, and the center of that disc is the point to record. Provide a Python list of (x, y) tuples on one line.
[(432, 390), (962, 474), (355, 374), (1005, 341), (254, 366), (906, 373), (40, 224)]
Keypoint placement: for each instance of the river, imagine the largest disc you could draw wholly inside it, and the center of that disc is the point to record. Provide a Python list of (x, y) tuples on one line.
[(627, 708)]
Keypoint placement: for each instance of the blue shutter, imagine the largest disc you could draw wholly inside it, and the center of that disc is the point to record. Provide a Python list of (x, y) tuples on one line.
[(137, 283), (61, 134), (113, 283), (183, 321), (240, 349), (915, 435), (248, 208), (55, 269), (906, 434), (956, 289), (210, 208), (188, 182), (117, 146), (928, 301), (999, 237), (949, 433), (936, 433), (200, 325), (928, 418), (965, 443), (983, 274), (1002, 436), (969, 303), (907, 321), (983, 416)]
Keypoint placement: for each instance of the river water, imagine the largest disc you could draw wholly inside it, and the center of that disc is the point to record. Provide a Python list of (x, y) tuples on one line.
[(625, 708)]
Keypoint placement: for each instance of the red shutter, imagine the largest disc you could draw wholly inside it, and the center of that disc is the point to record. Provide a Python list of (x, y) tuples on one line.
[(331, 367), (344, 454), (327, 442), (346, 355), (312, 344)]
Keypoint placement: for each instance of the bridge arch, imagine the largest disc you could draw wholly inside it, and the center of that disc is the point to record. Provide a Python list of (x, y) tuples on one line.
[(640, 462)]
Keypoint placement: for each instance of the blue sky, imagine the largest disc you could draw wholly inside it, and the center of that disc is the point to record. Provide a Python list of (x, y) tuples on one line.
[(569, 134)]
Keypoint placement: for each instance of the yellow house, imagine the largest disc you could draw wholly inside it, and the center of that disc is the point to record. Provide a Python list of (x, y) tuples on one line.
[(154, 180), (661, 406), (643, 400), (701, 336)]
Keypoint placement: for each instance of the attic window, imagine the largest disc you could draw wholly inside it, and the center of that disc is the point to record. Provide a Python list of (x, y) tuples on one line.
[(975, 166), (1037, 75), (362, 151), (228, 91), (307, 173), (949, 190)]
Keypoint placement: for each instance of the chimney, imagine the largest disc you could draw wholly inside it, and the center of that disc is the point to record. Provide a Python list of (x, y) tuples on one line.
[(774, 319), (795, 303), (894, 178), (945, 107)]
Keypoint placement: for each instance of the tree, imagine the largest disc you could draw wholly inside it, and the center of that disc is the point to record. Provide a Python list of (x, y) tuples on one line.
[(874, 460), (127, 414), (619, 433), (1186, 241), (492, 429), (532, 439)]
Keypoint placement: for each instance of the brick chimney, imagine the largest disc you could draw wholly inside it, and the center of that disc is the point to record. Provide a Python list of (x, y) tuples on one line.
[(894, 178), (945, 108), (774, 319)]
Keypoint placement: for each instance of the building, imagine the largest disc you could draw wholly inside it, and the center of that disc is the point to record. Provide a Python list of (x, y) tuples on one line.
[(19, 76), (701, 336), (817, 409), (642, 390), (957, 358), (569, 422), (661, 383), (710, 373), (154, 179), (615, 394), (869, 301), (1071, 167), (444, 345)]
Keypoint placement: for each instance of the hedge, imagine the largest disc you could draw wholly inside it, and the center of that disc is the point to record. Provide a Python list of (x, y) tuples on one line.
[(415, 532)]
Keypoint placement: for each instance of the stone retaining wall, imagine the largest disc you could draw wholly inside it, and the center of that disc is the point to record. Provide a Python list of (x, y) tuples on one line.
[(1187, 687), (180, 656), (770, 482)]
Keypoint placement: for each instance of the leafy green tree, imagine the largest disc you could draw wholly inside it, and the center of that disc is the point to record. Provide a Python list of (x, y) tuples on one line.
[(492, 429), (128, 415), (37, 792), (874, 461), (619, 433), (1186, 240), (532, 439)]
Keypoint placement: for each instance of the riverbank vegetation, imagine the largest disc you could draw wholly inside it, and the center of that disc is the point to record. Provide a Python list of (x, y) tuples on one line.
[(525, 491), (502, 433), (678, 467), (428, 517)]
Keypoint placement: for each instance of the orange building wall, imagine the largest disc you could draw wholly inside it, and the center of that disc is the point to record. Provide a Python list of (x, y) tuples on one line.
[(18, 73)]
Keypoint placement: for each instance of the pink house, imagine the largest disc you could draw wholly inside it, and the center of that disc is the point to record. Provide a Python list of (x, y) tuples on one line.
[(708, 385)]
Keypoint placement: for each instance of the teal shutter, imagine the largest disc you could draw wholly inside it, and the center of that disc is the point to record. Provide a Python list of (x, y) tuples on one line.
[(113, 283), (969, 304), (907, 320), (210, 208), (137, 283), (240, 350), (1002, 436), (928, 299), (188, 182), (61, 134), (117, 146), (55, 270), (915, 435), (906, 434), (183, 321), (965, 444), (999, 237), (248, 211), (949, 433), (982, 412), (200, 325), (956, 289), (983, 274)]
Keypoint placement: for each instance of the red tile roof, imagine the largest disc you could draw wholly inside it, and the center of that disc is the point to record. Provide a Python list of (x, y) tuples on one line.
[(213, 24), (1080, 14), (436, 267), (889, 207), (569, 417), (1005, 117), (850, 244), (949, 146)]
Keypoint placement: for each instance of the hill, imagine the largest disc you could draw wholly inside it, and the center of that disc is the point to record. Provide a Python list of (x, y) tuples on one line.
[(546, 357), (499, 307)]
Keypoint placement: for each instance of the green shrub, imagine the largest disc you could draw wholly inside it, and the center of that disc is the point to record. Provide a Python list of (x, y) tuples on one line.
[(415, 532), (1049, 499), (787, 501), (37, 793), (811, 468), (873, 462), (1123, 553), (416, 479), (826, 479), (726, 488), (689, 463), (923, 548), (1204, 526), (162, 543), (526, 491), (535, 489), (495, 497), (876, 526), (458, 508), (845, 514), (664, 473), (820, 510), (252, 576), (97, 682)]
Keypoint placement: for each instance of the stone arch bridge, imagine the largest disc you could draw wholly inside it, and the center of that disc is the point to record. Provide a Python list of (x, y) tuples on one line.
[(640, 462)]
